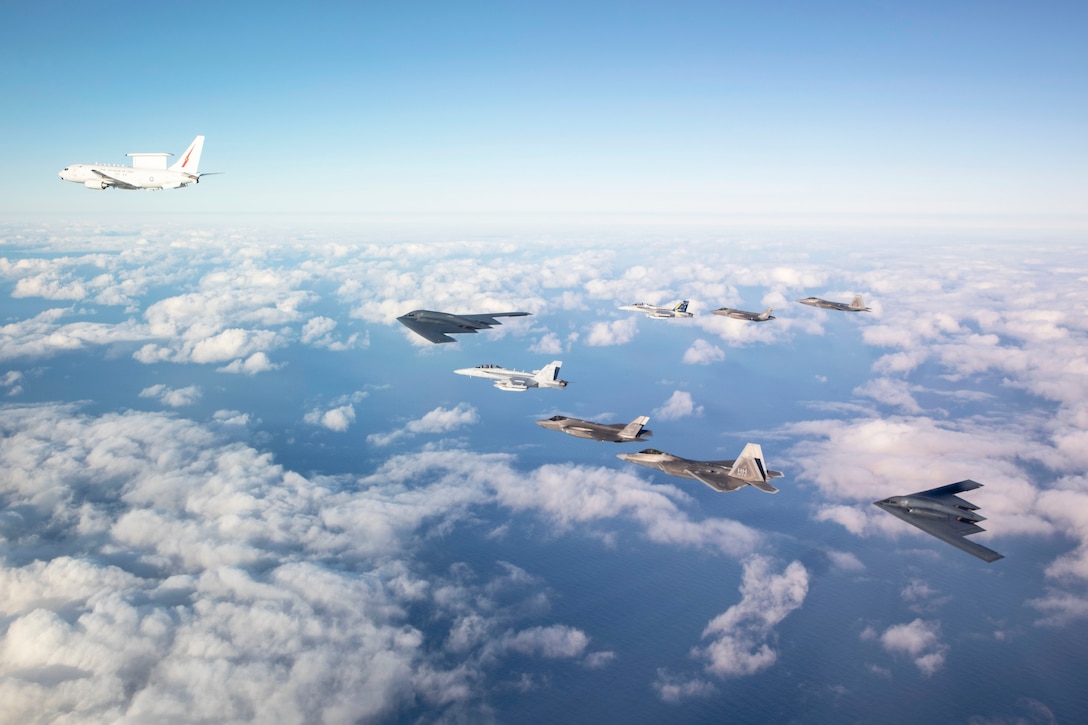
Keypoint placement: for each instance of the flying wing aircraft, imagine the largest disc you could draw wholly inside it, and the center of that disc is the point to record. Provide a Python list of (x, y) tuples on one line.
[(744, 315), (680, 309), (148, 171), (940, 512), (435, 325), (611, 432), (724, 476), (856, 305), (517, 380)]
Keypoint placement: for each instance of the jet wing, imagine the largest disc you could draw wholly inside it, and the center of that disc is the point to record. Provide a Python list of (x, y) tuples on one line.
[(947, 530), (717, 480), (115, 181)]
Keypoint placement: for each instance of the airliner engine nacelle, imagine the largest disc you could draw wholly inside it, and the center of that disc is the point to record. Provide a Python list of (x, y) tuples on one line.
[(95, 184)]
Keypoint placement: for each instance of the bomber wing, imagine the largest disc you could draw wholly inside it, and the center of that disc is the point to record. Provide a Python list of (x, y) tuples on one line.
[(949, 528), (434, 326), (489, 319), (431, 330)]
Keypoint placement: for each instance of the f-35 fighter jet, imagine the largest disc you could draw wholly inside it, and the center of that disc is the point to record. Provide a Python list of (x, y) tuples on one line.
[(611, 432), (856, 305), (943, 514), (434, 325), (744, 315), (748, 470)]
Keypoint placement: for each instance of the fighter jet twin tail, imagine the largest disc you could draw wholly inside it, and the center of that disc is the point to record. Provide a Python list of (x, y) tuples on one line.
[(747, 470), (681, 309), (148, 171)]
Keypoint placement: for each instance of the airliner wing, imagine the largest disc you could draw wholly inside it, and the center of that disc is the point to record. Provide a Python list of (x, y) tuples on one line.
[(113, 181)]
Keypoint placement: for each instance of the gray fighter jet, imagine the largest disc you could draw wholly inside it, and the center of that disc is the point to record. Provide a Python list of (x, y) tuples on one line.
[(434, 325), (943, 514), (748, 470), (856, 305), (611, 432), (680, 309), (744, 315)]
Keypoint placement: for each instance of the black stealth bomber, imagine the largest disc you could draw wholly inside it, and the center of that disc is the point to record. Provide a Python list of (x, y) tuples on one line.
[(434, 325), (943, 514)]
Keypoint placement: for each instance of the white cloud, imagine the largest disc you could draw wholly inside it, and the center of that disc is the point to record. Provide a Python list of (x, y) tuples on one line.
[(549, 344), (740, 635), (12, 380), (920, 640), (337, 419), (317, 328), (231, 417), (891, 392), (702, 352), (174, 397), (318, 332), (439, 420), (618, 332), (555, 641), (673, 689), (679, 405), (845, 561), (258, 362), (45, 335)]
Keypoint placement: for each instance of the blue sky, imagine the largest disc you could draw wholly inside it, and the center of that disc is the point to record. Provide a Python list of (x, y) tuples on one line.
[(730, 108)]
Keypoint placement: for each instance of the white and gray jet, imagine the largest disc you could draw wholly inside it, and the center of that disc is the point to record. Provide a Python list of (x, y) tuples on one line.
[(609, 432), (518, 380), (856, 305), (747, 470), (438, 326), (745, 315), (148, 171), (680, 309), (941, 513)]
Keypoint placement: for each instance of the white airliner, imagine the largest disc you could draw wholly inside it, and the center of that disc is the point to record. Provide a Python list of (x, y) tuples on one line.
[(148, 171), (517, 380), (678, 310)]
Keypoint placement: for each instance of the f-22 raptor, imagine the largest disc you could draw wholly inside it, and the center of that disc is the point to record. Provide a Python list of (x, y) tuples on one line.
[(610, 432), (518, 380), (856, 304), (723, 476), (745, 315), (680, 309), (434, 325), (940, 512)]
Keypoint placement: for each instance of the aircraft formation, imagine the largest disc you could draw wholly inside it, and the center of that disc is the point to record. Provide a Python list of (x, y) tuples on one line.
[(939, 511)]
